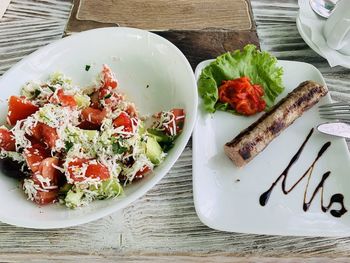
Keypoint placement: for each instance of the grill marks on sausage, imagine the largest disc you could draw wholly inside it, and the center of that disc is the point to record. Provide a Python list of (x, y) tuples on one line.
[(257, 136), (276, 127), (246, 150), (307, 97)]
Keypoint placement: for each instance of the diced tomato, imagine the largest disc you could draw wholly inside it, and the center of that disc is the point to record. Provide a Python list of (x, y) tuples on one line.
[(37, 132), (179, 115), (114, 101), (74, 167), (46, 134), (93, 170), (123, 120), (110, 98), (7, 142), (44, 198), (85, 125), (94, 98), (131, 110), (49, 135), (108, 78), (97, 170), (47, 170), (179, 119), (63, 99), (94, 116), (19, 109), (104, 93), (34, 156), (142, 172)]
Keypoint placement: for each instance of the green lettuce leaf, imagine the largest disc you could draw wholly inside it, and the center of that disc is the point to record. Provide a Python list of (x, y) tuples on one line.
[(259, 66)]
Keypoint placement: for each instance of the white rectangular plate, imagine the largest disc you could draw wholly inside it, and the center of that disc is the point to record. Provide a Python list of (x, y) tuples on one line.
[(227, 198)]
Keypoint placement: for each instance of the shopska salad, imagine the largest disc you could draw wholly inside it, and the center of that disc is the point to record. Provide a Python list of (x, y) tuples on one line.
[(77, 145)]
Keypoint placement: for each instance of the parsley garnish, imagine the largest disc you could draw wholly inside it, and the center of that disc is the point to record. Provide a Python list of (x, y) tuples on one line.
[(51, 88), (166, 146), (108, 96), (68, 145), (165, 141), (87, 67), (36, 93), (117, 147)]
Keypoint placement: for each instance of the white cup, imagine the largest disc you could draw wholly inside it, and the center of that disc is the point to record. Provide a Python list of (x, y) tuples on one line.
[(337, 28)]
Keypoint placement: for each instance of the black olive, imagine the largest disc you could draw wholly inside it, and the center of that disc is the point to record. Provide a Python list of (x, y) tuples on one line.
[(11, 168)]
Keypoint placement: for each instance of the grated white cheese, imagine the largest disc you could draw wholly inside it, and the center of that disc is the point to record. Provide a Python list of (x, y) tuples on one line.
[(15, 156), (30, 189), (165, 120), (45, 183), (141, 162), (56, 116), (20, 130)]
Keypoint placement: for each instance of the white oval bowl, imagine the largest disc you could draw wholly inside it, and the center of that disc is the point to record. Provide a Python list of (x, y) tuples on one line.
[(150, 70)]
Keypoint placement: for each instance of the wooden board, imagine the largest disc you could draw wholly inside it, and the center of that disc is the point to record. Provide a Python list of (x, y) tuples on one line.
[(87, 21), (168, 14), (74, 25), (197, 45)]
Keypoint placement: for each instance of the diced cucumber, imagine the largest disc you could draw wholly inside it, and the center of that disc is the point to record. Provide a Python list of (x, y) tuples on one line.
[(73, 197), (142, 128), (91, 134), (59, 78), (109, 188), (31, 90), (153, 151), (83, 101), (159, 136)]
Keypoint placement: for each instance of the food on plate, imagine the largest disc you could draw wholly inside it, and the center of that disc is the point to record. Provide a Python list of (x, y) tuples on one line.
[(242, 82), (242, 96), (251, 141), (75, 145)]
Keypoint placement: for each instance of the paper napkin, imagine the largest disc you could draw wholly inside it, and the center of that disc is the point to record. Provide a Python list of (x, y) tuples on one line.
[(310, 20)]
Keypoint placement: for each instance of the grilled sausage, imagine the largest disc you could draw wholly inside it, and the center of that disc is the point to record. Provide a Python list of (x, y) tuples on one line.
[(251, 141)]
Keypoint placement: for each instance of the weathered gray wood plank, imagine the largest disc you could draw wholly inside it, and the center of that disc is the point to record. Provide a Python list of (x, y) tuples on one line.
[(163, 223), (149, 257), (28, 25)]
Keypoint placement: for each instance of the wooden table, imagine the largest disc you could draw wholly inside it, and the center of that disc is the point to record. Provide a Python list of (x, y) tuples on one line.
[(163, 224)]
